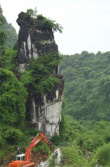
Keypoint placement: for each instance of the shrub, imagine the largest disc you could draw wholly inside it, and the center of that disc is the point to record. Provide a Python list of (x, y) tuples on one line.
[(102, 156), (12, 136), (39, 77), (31, 13), (56, 140), (2, 154), (72, 156), (8, 59), (2, 142), (50, 24), (12, 99)]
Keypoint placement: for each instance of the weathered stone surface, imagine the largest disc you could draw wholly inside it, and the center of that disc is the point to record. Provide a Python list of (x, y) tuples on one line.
[(35, 41)]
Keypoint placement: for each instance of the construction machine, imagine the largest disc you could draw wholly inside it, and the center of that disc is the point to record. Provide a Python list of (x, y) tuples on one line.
[(24, 160)]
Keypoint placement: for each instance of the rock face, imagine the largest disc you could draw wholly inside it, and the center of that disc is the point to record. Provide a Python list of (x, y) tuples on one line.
[(34, 41)]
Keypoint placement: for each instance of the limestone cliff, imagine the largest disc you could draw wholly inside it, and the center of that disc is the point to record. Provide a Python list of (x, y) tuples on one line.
[(35, 40)]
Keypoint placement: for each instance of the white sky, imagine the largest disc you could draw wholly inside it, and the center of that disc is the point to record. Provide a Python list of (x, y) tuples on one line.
[(86, 23)]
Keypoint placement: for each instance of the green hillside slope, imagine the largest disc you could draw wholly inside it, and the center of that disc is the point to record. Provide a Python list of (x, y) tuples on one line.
[(87, 85), (10, 32)]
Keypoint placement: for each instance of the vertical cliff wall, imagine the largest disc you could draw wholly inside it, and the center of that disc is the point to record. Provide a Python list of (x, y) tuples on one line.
[(34, 41)]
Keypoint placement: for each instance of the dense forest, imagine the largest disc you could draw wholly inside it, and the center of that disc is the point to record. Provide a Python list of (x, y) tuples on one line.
[(10, 32), (87, 86), (86, 112), (84, 130)]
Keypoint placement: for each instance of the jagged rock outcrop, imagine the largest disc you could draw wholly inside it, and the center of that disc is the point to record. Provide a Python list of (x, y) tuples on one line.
[(34, 41)]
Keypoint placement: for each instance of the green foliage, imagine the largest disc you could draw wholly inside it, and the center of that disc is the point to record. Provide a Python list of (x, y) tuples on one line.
[(87, 85), (49, 24), (2, 154), (46, 84), (1, 17), (42, 147), (12, 136), (70, 130), (44, 22), (73, 156), (31, 13), (8, 38), (39, 76), (8, 59), (56, 140), (8, 35), (2, 142), (90, 138), (2, 37), (12, 99), (2, 33), (102, 156)]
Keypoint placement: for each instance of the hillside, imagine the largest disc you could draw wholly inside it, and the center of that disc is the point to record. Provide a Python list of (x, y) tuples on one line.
[(87, 85), (10, 32), (86, 111)]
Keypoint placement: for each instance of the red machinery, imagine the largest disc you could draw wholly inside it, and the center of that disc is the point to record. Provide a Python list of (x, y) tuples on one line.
[(24, 160)]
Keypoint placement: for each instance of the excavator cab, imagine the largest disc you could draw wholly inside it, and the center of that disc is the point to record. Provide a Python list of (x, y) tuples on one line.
[(20, 157)]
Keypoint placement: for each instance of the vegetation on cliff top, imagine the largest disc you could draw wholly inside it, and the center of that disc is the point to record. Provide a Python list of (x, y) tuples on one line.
[(45, 22), (50, 24)]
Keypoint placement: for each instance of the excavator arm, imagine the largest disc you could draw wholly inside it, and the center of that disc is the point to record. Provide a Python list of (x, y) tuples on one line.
[(34, 142), (44, 138)]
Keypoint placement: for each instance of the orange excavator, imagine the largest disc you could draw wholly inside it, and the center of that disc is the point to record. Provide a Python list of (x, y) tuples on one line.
[(24, 160)]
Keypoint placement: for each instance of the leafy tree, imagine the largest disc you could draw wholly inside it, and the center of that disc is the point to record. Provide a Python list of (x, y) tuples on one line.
[(11, 35), (49, 24), (73, 156), (2, 33), (101, 156), (12, 99), (31, 13), (8, 59), (39, 76), (8, 35)]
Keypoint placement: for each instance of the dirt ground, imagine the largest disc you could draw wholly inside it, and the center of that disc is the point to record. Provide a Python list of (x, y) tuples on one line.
[(37, 158)]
